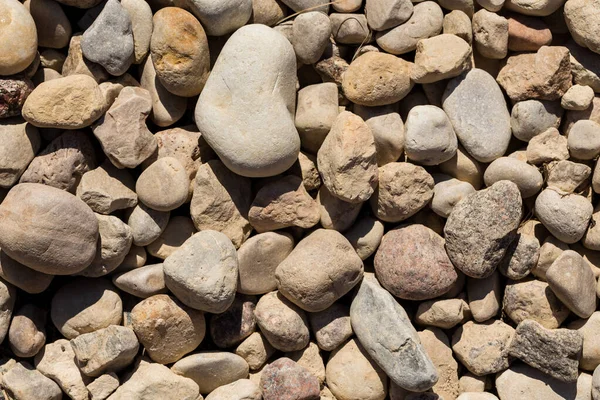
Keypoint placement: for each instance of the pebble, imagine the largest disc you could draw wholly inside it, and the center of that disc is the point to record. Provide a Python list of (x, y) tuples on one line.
[(404, 189), (264, 118), (365, 236), (582, 27), (72, 102), (114, 243), (340, 270), (17, 54), (242, 389), (530, 118), (571, 279), (27, 335), (352, 374), (14, 90), (310, 359), (316, 111), (430, 67), (77, 64), (331, 327), (153, 382), (164, 185), (464, 168), (166, 328), (382, 327), (21, 141), (53, 27), (283, 203), (377, 79), (223, 18), (284, 379), (477, 110), (445, 314), (590, 354), (221, 201), (411, 263), (144, 282), (105, 350), (527, 177), (57, 362), (584, 140), (122, 132), (283, 324), (483, 347), (533, 299), (209, 254), (336, 213), (578, 97), (267, 12), (179, 50), (255, 349), (521, 382), (387, 129), (481, 227), (211, 369), (28, 383), (458, 23), (490, 34), (63, 162), (59, 242), (350, 28), (555, 352), (565, 216), (425, 22), (430, 138), (545, 75), (447, 193), (310, 36)]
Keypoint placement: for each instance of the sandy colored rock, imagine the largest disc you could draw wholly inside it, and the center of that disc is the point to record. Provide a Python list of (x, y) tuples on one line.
[(437, 345), (316, 112), (57, 362), (166, 328), (283, 203), (447, 193), (349, 28), (146, 224), (63, 162), (267, 12), (584, 140), (590, 355), (17, 55), (351, 374), (255, 349), (143, 282), (164, 185), (85, 305), (179, 50), (521, 382), (582, 26), (578, 97), (258, 259), (336, 213), (122, 131), (377, 79), (566, 217), (548, 146), (483, 347), (521, 257), (387, 129), (530, 118), (430, 137), (445, 314), (464, 167), (27, 335), (545, 75), (72, 102), (365, 236), (107, 189), (283, 324), (484, 296), (21, 141), (458, 23), (490, 34), (440, 57), (103, 386), (310, 36), (404, 189), (77, 64), (533, 299), (242, 389), (141, 27), (527, 33)]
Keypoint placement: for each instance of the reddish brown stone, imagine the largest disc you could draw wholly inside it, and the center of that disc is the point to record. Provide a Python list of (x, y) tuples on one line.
[(411, 263), (286, 380), (13, 93), (527, 33)]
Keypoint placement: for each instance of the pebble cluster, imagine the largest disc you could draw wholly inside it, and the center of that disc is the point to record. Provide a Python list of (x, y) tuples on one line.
[(299, 199)]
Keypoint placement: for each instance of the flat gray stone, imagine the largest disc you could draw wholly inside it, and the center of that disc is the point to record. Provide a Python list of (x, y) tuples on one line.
[(30, 384)]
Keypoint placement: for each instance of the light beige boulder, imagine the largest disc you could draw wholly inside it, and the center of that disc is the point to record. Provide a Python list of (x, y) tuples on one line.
[(72, 102), (212, 369), (146, 224), (27, 335), (387, 129), (527, 177), (103, 386), (310, 359), (349, 28), (256, 350), (440, 57), (458, 23), (464, 168), (565, 216), (29, 383), (365, 236), (57, 362), (107, 189), (447, 192), (529, 118), (490, 34), (310, 36), (143, 282), (578, 97), (430, 137), (584, 140), (437, 345), (141, 26), (17, 55), (445, 313), (582, 26), (484, 296), (242, 389), (521, 382), (566, 175), (382, 15), (164, 185), (590, 355)]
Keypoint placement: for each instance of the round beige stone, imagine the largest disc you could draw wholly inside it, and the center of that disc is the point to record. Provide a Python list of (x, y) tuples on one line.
[(16, 22), (164, 185)]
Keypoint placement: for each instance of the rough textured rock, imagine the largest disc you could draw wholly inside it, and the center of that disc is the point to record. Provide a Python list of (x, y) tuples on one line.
[(59, 242), (384, 330), (565, 216), (283, 203), (24, 381), (377, 79), (167, 329), (286, 380), (151, 381), (483, 347), (440, 57), (107, 189), (264, 118), (490, 34), (221, 202), (57, 362), (404, 189), (555, 352), (122, 131), (521, 257), (411, 263), (352, 374), (331, 327), (202, 273), (545, 75), (211, 369), (13, 93), (284, 324), (481, 227), (387, 129), (109, 40), (578, 97), (582, 26), (437, 345), (63, 162), (21, 141), (546, 147), (533, 299), (179, 50), (72, 102), (477, 109), (347, 160), (85, 305), (17, 54), (443, 314), (103, 386), (527, 34)]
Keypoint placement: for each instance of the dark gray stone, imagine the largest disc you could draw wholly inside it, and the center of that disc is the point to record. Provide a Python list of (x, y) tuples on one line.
[(235, 324)]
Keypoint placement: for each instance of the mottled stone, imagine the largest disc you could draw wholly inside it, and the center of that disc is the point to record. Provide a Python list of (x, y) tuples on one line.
[(286, 380), (235, 324)]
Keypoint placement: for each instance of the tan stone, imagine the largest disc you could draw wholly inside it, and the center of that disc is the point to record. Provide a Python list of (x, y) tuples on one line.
[(107, 189), (76, 63), (437, 346), (445, 314), (546, 147), (527, 33), (256, 350), (18, 37), (440, 57), (490, 34), (178, 230)]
